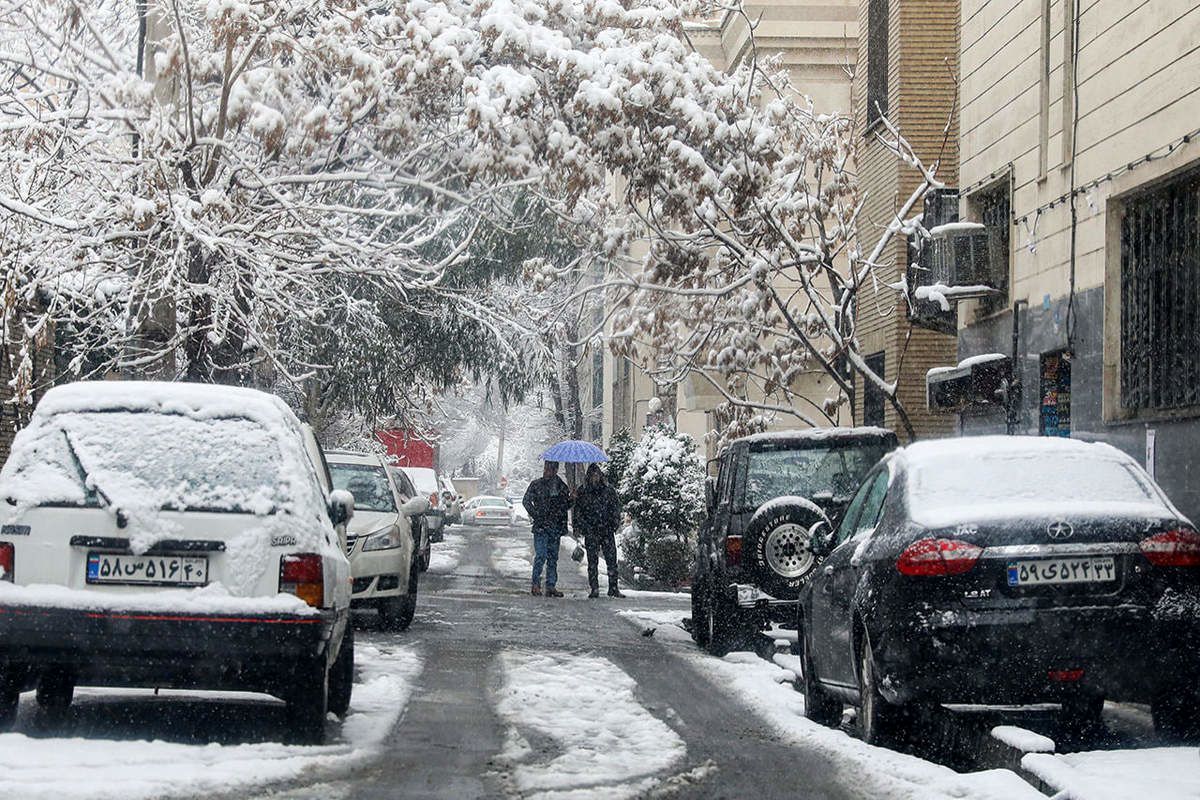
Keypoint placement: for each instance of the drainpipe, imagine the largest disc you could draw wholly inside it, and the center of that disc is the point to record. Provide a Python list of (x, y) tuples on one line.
[(1013, 401)]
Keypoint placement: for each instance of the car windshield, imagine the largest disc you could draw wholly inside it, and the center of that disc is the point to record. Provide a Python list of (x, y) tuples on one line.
[(817, 473), (369, 484), (153, 460)]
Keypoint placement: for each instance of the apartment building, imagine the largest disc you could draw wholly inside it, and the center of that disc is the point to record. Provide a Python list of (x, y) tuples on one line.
[(1078, 152), (908, 75), (818, 44)]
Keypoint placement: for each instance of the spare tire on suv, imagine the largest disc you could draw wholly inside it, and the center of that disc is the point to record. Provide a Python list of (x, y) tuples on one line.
[(775, 546), (772, 492)]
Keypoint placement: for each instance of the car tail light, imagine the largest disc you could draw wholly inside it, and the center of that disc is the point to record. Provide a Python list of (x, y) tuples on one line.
[(937, 557), (304, 576), (733, 551), (1065, 675), (7, 559), (1176, 548), (479, 513)]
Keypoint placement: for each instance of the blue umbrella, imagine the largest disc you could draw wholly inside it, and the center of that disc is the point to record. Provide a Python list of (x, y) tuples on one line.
[(574, 451)]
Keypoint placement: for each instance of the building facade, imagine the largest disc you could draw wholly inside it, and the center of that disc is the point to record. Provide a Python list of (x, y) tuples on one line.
[(818, 44), (908, 74), (1078, 151)]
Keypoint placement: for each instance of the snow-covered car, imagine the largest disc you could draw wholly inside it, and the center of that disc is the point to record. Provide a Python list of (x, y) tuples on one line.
[(380, 542), (772, 492), (174, 535), (420, 530), (487, 510), (1004, 570), (426, 482)]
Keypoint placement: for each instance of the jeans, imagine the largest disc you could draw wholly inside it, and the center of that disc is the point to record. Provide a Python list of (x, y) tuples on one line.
[(545, 552), (595, 545)]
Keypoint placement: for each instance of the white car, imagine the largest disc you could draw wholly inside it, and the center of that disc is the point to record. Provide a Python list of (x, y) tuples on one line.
[(420, 530), (173, 535), (380, 539), (487, 510)]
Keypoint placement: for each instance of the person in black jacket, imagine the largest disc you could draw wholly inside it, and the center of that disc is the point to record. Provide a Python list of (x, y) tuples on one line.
[(547, 500), (597, 517)]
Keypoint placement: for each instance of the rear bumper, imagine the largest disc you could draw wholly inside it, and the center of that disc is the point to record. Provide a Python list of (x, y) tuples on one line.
[(1029, 656), (174, 650)]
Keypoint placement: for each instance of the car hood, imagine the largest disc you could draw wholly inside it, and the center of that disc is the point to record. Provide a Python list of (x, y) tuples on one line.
[(370, 521)]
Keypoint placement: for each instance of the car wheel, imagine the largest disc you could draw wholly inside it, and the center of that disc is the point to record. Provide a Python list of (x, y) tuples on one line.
[(1176, 714), (700, 612), (726, 628), (308, 704), (341, 678), (398, 612), (880, 722), (819, 705), (777, 548)]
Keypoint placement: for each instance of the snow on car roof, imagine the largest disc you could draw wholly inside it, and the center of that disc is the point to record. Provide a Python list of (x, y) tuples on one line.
[(815, 434), (199, 400), (1018, 477)]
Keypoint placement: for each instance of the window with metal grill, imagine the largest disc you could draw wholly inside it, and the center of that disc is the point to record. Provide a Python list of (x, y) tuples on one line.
[(1160, 297), (877, 60)]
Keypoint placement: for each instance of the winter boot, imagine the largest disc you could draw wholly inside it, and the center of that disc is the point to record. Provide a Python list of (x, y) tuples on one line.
[(536, 591), (592, 595), (613, 591), (552, 592)]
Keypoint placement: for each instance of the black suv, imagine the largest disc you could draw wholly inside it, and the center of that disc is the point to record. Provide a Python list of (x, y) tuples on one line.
[(772, 492)]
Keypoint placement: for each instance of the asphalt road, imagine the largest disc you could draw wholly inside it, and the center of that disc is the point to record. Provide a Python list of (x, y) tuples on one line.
[(446, 743)]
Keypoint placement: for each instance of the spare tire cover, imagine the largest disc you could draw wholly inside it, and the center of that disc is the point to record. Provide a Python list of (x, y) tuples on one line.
[(776, 545)]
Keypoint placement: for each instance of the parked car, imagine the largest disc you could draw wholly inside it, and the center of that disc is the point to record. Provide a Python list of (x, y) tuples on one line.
[(172, 535), (771, 493), (380, 543), (488, 510), (426, 481), (420, 531), (1004, 570)]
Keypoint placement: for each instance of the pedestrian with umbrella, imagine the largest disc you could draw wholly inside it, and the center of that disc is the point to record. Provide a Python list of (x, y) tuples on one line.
[(548, 501), (597, 517)]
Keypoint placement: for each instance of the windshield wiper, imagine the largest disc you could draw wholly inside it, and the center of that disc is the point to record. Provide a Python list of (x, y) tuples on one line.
[(89, 483)]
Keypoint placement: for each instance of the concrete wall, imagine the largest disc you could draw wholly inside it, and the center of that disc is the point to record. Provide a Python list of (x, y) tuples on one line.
[(1138, 79)]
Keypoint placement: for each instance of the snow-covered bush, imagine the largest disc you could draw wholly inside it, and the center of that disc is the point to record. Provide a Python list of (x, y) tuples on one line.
[(663, 489), (620, 448)]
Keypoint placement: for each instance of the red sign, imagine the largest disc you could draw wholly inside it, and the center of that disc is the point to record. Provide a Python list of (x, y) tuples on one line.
[(407, 447)]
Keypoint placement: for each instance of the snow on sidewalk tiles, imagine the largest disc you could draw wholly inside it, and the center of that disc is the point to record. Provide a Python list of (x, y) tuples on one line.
[(445, 555), (1161, 773), (99, 769), (877, 772), (576, 729), (513, 556)]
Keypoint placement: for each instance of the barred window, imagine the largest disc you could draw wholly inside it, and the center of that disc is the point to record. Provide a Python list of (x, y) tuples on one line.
[(994, 209), (1160, 297)]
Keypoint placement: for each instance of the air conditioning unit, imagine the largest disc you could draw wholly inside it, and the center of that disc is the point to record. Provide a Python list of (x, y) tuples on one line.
[(928, 266), (976, 381)]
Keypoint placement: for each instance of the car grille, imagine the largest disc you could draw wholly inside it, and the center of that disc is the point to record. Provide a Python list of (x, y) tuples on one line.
[(350, 542)]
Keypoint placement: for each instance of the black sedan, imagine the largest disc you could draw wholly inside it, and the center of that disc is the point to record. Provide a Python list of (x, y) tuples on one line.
[(1004, 570)]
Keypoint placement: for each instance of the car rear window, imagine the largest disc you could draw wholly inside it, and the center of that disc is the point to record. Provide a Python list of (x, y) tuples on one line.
[(146, 460), (829, 472), (499, 502), (1010, 483), (369, 484)]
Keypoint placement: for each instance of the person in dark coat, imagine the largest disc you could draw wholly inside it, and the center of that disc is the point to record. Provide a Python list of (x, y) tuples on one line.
[(547, 500), (597, 517)]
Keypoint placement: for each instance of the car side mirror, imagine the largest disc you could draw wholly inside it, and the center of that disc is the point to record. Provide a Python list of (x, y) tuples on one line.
[(341, 506), (415, 507), (821, 540), (710, 494)]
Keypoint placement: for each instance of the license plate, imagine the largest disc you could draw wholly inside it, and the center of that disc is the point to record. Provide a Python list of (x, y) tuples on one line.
[(1042, 571), (147, 570)]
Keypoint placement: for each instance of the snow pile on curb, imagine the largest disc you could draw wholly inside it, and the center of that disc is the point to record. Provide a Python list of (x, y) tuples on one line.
[(100, 769), (606, 743), (765, 689), (1162, 773)]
